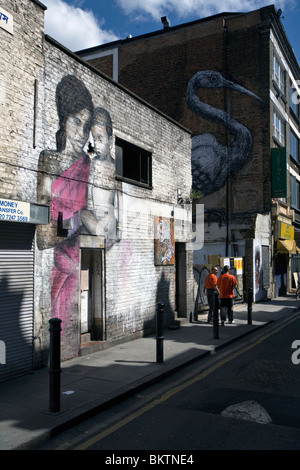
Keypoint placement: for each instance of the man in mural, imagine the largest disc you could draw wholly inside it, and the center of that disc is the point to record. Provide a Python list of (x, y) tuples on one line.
[(226, 283), (102, 135), (211, 289), (104, 203)]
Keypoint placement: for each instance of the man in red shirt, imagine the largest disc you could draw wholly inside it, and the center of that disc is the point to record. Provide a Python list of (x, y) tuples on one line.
[(226, 283), (211, 288)]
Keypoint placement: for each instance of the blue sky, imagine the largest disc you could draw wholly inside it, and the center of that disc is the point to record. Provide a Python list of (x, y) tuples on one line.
[(79, 24)]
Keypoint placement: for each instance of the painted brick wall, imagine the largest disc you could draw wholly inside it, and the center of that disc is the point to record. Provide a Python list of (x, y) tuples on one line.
[(28, 126), (133, 283), (21, 64)]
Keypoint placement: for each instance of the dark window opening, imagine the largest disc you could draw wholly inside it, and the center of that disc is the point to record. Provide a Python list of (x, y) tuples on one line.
[(133, 163)]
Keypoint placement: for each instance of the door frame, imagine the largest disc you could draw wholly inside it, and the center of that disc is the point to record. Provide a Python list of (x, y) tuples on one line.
[(96, 265)]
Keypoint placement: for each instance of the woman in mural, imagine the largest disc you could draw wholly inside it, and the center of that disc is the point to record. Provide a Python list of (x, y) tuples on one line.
[(64, 178), (66, 193)]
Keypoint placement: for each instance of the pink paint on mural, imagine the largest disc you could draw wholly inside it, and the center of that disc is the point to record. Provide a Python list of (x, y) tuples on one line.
[(125, 261), (69, 191), (84, 208), (69, 195), (64, 280)]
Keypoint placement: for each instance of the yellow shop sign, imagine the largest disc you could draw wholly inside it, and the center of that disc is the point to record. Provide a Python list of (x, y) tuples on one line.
[(286, 231)]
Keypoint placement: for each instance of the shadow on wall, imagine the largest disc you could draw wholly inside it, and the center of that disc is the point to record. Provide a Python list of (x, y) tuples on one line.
[(18, 347), (163, 296)]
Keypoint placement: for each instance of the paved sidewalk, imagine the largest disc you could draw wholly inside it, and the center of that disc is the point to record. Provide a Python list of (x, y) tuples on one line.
[(94, 382)]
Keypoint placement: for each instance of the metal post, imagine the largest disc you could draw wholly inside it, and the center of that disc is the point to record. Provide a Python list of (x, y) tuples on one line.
[(216, 315), (250, 300), (54, 367), (160, 333)]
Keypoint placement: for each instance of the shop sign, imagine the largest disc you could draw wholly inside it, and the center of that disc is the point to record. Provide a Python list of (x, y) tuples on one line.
[(6, 21), (14, 211), (279, 172), (285, 231)]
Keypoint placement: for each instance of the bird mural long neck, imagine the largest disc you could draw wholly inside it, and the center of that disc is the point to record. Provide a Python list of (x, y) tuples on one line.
[(243, 138), (203, 109), (213, 163)]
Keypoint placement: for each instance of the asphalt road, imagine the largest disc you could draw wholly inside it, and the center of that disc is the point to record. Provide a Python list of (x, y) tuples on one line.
[(246, 397)]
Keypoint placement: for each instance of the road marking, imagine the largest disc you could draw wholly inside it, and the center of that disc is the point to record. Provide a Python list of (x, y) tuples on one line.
[(85, 445)]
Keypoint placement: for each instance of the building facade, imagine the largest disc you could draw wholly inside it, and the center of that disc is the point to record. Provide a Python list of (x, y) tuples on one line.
[(91, 230), (233, 80)]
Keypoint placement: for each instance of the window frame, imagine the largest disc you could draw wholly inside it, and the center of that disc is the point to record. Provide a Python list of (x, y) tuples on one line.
[(294, 107), (296, 140), (125, 172), (279, 133), (295, 193), (279, 76)]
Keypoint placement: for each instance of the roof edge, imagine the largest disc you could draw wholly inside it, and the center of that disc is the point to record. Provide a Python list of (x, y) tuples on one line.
[(43, 7), (156, 33), (109, 79)]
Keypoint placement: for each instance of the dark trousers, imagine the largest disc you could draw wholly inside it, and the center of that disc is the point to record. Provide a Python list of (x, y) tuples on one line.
[(226, 309), (210, 299)]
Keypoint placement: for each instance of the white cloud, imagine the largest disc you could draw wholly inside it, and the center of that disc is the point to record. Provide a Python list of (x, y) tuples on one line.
[(200, 8), (73, 27)]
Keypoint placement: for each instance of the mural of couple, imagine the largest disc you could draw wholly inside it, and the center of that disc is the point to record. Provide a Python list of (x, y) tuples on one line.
[(67, 182)]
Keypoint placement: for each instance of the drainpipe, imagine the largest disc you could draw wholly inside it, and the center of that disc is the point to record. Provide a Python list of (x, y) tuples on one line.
[(226, 134)]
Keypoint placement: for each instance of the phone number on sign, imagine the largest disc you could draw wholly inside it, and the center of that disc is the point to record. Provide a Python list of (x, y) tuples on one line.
[(15, 218)]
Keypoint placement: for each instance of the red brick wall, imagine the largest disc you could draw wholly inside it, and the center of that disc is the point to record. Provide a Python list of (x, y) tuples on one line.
[(159, 68)]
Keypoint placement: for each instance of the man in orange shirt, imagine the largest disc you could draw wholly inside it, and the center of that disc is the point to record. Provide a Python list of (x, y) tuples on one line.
[(226, 283), (210, 289)]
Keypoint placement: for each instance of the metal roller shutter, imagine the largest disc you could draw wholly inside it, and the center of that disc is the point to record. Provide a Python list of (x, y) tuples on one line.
[(16, 298)]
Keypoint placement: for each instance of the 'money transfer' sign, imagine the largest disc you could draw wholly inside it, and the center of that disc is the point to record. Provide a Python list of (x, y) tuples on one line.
[(14, 211)]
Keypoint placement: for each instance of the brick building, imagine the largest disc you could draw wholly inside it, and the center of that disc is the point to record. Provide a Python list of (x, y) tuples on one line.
[(233, 80), (91, 230)]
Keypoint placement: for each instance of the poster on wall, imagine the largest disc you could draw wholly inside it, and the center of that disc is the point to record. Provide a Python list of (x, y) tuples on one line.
[(238, 264), (258, 290), (164, 243)]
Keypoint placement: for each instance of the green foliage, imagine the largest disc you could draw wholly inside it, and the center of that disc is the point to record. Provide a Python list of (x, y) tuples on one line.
[(195, 194)]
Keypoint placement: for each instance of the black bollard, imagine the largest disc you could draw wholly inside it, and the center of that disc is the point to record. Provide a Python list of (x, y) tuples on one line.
[(160, 333), (216, 315), (54, 366), (250, 300)]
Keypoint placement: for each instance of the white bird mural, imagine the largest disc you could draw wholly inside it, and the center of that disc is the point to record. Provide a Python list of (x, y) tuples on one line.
[(213, 163)]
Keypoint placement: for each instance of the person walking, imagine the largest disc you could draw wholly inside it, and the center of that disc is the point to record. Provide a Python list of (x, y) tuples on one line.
[(210, 289), (226, 283)]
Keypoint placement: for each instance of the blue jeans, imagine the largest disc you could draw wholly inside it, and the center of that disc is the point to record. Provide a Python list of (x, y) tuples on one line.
[(226, 309)]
